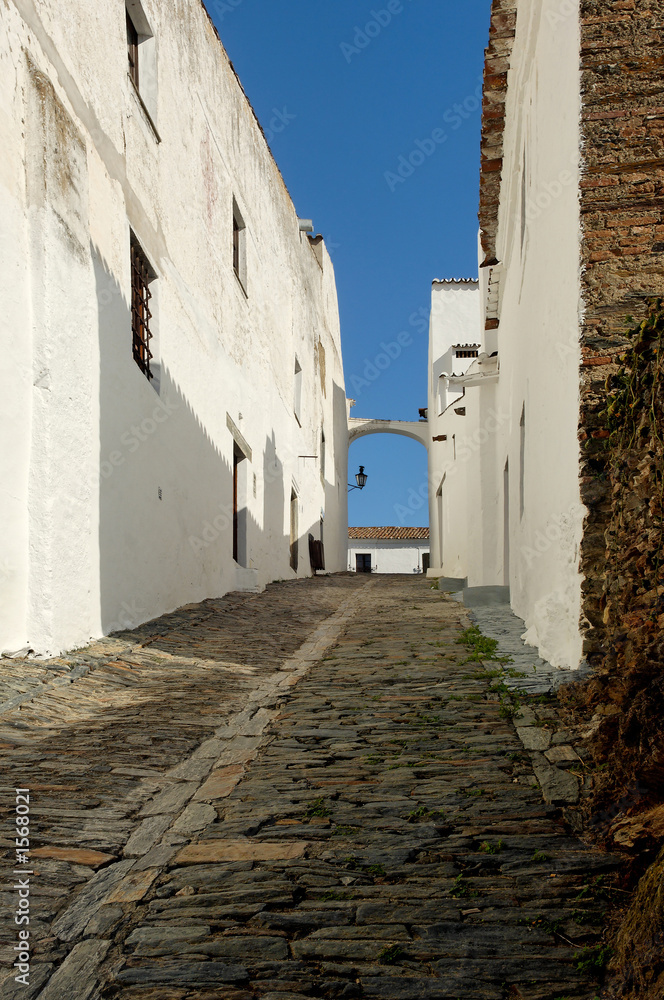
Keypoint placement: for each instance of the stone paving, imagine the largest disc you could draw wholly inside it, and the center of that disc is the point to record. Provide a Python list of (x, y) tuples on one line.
[(304, 793), (537, 676)]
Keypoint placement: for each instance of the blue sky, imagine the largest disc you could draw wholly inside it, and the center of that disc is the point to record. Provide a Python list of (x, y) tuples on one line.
[(372, 114)]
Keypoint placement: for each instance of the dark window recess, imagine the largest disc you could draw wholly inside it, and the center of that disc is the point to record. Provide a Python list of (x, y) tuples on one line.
[(132, 50), (236, 247), (467, 354), (141, 276)]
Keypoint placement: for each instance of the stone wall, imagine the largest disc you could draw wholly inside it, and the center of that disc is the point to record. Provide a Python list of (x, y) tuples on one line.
[(622, 215), (496, 67), (628, 684)]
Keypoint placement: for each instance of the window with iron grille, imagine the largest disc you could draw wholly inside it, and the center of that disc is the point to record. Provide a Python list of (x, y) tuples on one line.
[(132, 49), (467, 354), (141, 277)]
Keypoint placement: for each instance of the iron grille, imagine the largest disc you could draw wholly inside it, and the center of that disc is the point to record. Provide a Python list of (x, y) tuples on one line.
[(141, 276)]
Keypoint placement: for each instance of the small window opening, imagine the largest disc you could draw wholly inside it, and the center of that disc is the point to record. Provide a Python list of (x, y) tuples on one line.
[(297, 392), (236, 247), (141, 277), (239, 247), (142, 60), (132, 50)]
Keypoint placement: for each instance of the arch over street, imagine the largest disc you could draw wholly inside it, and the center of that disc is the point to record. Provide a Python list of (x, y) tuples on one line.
[(360, 427)]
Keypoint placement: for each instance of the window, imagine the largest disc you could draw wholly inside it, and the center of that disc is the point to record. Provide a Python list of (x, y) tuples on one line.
[(467, 354), (236, 247), (142, 60), (141, 277), (297, 391), (239, 247), (132, 50)]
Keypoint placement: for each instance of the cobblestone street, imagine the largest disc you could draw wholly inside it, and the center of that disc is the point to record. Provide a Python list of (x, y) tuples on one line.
[(305, 793)]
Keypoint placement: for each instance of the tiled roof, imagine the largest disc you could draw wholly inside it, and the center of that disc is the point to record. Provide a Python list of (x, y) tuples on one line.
[(389, 533)]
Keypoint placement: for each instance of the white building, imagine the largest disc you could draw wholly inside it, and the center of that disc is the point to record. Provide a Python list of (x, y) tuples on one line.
[(505, 501), (388, 550), (454, 344), (172, 401)]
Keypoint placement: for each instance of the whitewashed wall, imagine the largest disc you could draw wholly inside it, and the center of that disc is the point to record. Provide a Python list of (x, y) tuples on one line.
[(524, 528), (88, 445), (538, 336), (455, 319), (388, 555)]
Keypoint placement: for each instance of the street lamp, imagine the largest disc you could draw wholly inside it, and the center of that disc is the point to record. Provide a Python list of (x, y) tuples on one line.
[(361, 480)]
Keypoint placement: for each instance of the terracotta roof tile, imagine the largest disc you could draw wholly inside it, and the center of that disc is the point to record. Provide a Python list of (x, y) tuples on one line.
[(389, 533)]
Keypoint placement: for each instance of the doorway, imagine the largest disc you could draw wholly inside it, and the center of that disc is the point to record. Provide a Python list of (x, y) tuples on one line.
[(239, 506), (441, 526), (362, 562), (294, 531), (506, 524)]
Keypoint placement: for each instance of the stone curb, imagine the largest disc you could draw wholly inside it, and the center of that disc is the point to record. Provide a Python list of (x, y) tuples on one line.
[(534, 727)]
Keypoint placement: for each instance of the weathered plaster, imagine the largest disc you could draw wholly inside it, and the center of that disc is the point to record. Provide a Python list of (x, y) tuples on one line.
[(118, 497)]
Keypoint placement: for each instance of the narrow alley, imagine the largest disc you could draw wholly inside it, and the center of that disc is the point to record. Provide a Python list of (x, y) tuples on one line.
[(305, 793)]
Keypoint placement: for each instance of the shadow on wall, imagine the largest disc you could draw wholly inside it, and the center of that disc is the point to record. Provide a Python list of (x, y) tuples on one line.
[(338, 489), (166, 490), (273, 496)]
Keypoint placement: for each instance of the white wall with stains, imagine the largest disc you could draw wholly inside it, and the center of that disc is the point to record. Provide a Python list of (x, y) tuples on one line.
[(455, 321), (511, 509), (116, 492)]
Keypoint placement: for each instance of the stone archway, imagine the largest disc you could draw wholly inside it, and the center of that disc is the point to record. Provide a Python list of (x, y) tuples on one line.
[(415, 430), (359, 427)]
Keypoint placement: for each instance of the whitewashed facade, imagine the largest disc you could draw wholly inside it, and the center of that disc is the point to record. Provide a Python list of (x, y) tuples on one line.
[(388, 550), (505, 494), (117, 494), (454, 342)]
